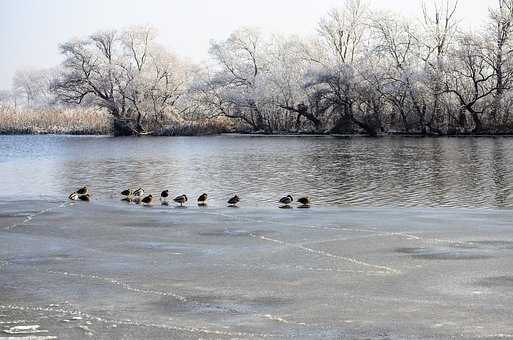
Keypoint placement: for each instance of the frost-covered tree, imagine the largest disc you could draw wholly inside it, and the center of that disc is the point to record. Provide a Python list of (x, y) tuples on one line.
[(334, 78), (436, 36), (499, 49), (470, 80), (361, 72), (126, 73), (32, 86), (236, 82)]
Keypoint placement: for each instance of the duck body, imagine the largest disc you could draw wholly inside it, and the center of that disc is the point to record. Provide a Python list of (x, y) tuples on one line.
[(85, 197), (202, 200), (147, 200), (164, 195), (305, 202), (286, 200), (181, 199), (234, 200)]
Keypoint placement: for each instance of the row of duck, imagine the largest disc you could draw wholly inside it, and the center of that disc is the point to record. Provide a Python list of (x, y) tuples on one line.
[(138, 196)]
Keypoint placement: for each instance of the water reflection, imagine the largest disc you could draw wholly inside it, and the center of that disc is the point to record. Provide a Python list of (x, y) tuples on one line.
[(449, 172)]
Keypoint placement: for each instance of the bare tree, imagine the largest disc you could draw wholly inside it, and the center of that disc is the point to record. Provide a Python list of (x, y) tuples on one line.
[(236, 83), (470, 80), (397, 44), (125, 73), (500, 49), (33, 85), (439, 29)]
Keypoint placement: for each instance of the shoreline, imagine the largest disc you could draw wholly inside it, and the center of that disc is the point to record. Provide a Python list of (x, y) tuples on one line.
[(256, 134)]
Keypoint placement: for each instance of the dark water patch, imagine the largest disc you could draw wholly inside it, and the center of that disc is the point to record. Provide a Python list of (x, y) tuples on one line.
[(232, 233), (51, 259), (160, 247), (242, 300), (443, 253), (234, 305), (494, 244), (150, 224), (496, 281)]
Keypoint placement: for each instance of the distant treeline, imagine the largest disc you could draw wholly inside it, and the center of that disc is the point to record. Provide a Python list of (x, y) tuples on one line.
[(362, 72)]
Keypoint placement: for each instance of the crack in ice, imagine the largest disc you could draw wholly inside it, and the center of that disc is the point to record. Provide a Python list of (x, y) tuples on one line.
[(375, 230), (327, 254), (30, 217), (297, 267), (123, 285), (128, 322)]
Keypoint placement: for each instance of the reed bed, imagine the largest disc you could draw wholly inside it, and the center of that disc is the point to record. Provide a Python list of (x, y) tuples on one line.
[(76, 121), (200, 127)]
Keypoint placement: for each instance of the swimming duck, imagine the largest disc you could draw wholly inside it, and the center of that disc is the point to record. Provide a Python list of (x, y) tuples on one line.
[(73, 196), (305, 202), (181, 199), (148, 199), (286, 200), (85, 197), (164, 195), (234, 200), (202, 200), (83, 191)]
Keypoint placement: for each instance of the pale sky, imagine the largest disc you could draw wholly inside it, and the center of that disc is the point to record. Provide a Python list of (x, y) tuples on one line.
[(30, 30)]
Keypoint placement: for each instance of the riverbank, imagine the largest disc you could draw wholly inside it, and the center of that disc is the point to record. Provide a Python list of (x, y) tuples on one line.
[(80, 121), (109, 270)]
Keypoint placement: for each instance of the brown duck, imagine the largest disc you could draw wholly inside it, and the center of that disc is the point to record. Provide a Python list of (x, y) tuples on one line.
[(148, 199), (202, 200), (234, 200), (181, 199)]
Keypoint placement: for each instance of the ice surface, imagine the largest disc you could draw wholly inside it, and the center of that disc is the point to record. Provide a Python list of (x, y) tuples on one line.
[(108, 270)]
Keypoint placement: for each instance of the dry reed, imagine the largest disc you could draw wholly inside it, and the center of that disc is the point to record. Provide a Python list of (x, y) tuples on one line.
[(55, 121)]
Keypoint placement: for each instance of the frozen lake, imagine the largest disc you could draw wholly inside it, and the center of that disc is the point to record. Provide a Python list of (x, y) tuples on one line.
[(407, 239), (106, 270)]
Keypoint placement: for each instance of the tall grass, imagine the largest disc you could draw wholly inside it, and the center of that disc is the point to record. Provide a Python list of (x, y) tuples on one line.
[(199, 127), (54, 121), (83, 121)]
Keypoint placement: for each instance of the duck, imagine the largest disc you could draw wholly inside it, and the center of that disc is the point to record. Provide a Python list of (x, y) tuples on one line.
[(181, 199), (286, 200), (147, 200), (234, 200), (85, 197), (73, 196), (164, 195), (202, 200), (305, 202), (139, 192), (127, 192), (83, 191)]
